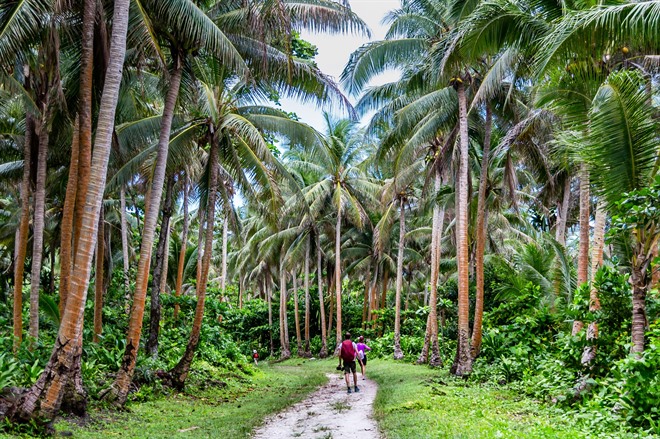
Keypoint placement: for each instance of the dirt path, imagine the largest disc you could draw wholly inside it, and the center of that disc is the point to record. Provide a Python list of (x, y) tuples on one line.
[(328, 413)]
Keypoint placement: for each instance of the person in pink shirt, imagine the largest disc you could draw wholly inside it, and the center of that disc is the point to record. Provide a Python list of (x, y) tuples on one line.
[(362, 355)]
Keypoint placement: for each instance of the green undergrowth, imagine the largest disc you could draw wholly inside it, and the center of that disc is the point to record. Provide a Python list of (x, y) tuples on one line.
[(418, 402), (231, 407)]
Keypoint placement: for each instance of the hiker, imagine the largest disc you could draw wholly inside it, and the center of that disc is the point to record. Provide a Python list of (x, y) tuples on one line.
[(362, 355), (348, 354), (255, 356)]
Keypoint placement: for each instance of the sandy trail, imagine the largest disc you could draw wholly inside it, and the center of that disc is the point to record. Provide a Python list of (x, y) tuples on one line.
[(327, 413)]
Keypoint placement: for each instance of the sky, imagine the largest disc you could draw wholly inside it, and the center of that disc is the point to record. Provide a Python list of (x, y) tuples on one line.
[(334, 50)]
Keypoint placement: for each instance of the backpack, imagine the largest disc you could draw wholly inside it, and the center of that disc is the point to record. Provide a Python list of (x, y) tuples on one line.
[(347, 352), (360, 354)]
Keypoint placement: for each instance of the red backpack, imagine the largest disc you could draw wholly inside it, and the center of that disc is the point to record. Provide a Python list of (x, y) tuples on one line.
[(347, 353)]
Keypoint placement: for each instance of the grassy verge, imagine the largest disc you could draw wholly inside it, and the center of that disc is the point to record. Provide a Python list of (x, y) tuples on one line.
[(230, 411), (418, 402)]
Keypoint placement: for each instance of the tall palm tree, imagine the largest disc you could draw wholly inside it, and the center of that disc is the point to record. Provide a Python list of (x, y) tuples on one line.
[(44, 398), (340, 187)]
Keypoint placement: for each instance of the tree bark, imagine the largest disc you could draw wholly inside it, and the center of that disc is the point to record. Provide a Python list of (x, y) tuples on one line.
[(482, 224), (159, 271), (24, 229), (122, 382), (398, 353), (166, 260), (225, 228), (269, 295), (583, 249), (285, 352), (66, 226), (180, 372), (307, 352), (294, 277), (638, 312), (44, 398), (463, 364), (98, 280), (38, 225), (124, 246), (562, 211), (182, 253), (85, 116), (432, 321), (338, 273), (589, 352), (319, 279), (367, 296)]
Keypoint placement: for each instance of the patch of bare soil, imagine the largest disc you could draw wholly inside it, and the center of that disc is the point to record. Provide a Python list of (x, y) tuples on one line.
[(328, 413)]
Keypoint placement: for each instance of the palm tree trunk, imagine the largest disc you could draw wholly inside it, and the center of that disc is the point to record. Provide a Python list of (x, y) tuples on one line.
[(589, 352), (66, 226), (319, 279), (285, 352), (85, 116), (179, 373), (637, 279), (166, 260), (482, 221), (297, 316), (367, 296), (23, 231), (562, 211), (44, 398), (583, 249), (38, 226), (398, 353), (124, 245), (431, 338), (200, 249), (373, 300), (225, 228), (125, 374), (269, 295), (463, 363), (307, 353), (159, 272), (98, 280), (182, 252), (338, 272)]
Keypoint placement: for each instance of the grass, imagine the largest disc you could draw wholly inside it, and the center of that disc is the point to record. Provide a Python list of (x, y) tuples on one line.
[(418, 402), (232, 411)]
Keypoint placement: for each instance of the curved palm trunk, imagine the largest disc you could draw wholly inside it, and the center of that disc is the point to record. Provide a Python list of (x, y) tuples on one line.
[(589, 352), (98, 280), (338, 274), (180, 372), (159, 271), (66, 226), (583, 249), (182, 253), (44, 398), (431, 337), (23, 231), (223, 281), (482, 221), (319, 279), (463, 363), (84, 118), (124, 245), (285, 352), (125, 374), (200, 249), (297, 316), (398, 353), (38, 227), (307, 352)]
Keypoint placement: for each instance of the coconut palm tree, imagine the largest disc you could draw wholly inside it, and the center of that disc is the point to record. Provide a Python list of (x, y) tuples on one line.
[(44, 398)]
